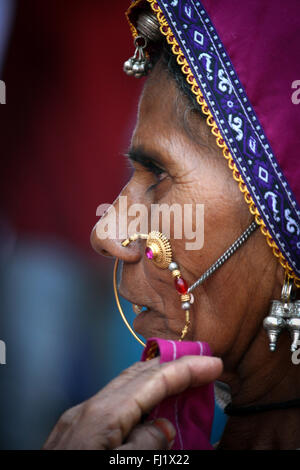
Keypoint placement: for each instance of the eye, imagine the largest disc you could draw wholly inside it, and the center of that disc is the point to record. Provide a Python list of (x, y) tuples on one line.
[(148, 166), (159, 173)]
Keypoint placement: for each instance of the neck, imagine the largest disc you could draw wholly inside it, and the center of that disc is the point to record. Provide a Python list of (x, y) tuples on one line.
[(270, 430), (273, 378)]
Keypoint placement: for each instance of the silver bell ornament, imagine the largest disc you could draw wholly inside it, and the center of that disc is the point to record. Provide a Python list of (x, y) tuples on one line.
[(274, 324), (284, 313), (293, 325), (149, 31), (128, 66)]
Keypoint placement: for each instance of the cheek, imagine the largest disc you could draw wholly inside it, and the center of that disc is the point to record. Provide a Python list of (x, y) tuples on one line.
[(217, 201)]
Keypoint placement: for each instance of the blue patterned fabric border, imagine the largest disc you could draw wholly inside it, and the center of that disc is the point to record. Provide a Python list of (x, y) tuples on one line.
[(237, 122)]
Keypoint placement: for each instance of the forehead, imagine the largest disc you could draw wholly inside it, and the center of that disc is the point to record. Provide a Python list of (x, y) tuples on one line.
[(161, 109), (156, 106), (159, 96), (164, 113)]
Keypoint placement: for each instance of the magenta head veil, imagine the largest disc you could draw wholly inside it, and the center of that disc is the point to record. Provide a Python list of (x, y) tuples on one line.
[(241, 60)]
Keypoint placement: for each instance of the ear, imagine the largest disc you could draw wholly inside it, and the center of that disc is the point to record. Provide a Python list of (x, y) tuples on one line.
[(278, 281)]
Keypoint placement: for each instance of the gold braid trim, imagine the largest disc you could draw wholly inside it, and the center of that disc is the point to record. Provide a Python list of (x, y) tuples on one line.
[(127, 14), (166, 31), (152, 351)]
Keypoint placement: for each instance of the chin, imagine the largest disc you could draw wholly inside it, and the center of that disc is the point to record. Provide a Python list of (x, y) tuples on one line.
[(152, 324)]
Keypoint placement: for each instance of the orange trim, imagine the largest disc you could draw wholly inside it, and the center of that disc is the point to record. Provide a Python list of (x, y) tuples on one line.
[(128, 13), (166, 31)]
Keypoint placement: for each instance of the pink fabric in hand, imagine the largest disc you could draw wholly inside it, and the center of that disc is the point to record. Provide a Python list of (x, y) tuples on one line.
[(192, 411)]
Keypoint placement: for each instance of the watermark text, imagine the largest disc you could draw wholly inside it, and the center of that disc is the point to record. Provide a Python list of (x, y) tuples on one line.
[(175, 221), (296, 355), (2, 353), (2, 92), (296, 94)]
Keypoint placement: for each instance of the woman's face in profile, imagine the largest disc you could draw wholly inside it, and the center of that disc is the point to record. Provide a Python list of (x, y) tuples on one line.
[(176, 161)]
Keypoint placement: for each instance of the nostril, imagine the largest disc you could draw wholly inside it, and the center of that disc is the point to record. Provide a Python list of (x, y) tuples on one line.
[(102, 247), (105, 253), (112, 248)]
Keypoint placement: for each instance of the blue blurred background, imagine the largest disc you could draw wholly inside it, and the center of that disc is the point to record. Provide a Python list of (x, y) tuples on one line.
[(69, 115)]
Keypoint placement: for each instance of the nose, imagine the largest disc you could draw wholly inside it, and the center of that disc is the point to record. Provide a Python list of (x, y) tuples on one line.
[(108, 234)]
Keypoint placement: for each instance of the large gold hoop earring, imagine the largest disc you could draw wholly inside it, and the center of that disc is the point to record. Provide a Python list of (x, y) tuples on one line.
[(115, 282)]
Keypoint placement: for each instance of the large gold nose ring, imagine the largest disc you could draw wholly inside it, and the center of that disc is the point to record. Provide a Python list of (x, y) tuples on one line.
[(158, 250)]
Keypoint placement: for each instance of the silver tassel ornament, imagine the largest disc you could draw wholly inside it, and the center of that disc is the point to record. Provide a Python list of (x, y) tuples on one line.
[(148, 29), (284, 314)]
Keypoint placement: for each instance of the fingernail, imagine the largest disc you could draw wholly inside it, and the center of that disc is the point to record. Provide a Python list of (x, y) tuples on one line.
[(167, 428), (171, 444)]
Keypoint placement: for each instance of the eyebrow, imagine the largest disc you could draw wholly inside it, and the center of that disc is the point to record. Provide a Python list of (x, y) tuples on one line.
[(139, 155)]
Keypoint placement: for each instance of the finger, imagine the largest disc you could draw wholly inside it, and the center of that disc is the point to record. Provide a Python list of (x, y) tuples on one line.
[(160, 381), (106, 420), (62, 425), (127, 376), (139, 371), (164, 380), (158, 435)]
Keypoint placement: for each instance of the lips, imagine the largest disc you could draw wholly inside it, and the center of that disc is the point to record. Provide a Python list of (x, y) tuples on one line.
[(142, 315), (139, 308), (148, 321)]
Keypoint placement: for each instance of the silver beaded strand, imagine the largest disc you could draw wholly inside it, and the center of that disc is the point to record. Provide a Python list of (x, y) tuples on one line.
[(220, 261)]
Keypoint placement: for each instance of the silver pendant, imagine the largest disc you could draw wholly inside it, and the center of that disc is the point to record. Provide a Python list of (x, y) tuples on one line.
[(149, 31), (274, 323), (293, 325), (138, 65), (284, 314)]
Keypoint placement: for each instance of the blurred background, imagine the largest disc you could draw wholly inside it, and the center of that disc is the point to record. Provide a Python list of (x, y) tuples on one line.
[(69, 114)]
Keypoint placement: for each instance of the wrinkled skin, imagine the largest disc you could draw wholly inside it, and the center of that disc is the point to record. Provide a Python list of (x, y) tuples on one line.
[(229, 307)]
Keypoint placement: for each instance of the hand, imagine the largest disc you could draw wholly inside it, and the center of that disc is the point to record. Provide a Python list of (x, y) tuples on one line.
[(112, 418)]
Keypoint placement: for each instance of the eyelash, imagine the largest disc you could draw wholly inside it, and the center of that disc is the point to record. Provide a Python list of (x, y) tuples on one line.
[(150, 167), (157, 172)]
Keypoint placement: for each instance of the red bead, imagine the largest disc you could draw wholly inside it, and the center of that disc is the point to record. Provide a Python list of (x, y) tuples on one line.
[(181, 285)]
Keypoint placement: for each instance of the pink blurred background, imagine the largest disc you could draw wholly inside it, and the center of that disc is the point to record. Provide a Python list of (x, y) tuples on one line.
[(69, 115)]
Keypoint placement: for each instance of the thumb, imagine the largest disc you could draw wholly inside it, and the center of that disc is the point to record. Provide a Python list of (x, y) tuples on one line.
[(155, 435)]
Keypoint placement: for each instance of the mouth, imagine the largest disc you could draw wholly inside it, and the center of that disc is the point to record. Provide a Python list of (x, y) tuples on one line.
[(139, 308), (146, 316)]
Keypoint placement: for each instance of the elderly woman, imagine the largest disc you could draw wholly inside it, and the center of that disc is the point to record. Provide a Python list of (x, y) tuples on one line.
[(217, 125)]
